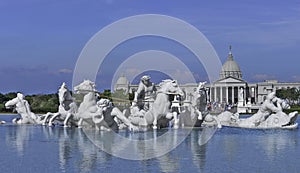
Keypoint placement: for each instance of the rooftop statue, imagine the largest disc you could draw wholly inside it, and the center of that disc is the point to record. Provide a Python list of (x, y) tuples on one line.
[(23, 109)]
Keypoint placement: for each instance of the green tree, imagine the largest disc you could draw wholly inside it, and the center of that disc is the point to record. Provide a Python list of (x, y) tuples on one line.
[(290, 94), (106, 94)]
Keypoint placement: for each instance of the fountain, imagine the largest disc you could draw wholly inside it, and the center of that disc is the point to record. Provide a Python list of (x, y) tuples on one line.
[(269, 116), (157, 110)]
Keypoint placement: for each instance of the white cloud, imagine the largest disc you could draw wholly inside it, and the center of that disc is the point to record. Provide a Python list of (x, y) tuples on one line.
[(65, 71), (296, 78), (262, 77), (281, 22)]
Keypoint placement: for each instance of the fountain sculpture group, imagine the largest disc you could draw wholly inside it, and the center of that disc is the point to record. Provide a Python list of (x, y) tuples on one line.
[(151, 108)]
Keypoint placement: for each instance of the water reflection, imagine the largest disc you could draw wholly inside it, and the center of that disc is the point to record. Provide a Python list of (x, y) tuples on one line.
[(137, 146), (75, 151), (198, 147), (73, 144), (17, 137), (61, 149), (277, 142)]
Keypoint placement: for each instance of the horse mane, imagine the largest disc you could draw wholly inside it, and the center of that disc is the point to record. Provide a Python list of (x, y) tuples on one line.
[(164, 82), (86, 85)]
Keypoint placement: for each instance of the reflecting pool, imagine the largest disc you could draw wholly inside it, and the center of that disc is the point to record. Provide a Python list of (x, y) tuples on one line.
[(35, 148)]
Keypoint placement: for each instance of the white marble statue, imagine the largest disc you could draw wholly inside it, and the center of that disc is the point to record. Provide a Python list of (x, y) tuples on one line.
[(23, 109), (200, 100), (241, 99), (269, 115), (241, 95), (176, 110), (200, 107), (66, 109), (98, 114), (160, 107), (110, 113), (88, 111), (144, 96)]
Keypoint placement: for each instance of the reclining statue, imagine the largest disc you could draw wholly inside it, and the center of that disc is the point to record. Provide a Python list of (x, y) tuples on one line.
[(269, 115)]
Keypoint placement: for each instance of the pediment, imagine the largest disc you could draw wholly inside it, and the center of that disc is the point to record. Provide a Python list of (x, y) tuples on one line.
[(230, 80)]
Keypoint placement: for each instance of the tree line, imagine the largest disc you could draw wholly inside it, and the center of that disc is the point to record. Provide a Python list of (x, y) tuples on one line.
[(43, 103), (291, 95), (39, 103)]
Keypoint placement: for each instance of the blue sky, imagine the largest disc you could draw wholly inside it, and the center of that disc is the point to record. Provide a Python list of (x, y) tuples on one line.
[(40, 40)]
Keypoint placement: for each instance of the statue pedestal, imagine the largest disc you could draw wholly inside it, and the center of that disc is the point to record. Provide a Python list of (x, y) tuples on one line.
[(241, 108), (240, 104)]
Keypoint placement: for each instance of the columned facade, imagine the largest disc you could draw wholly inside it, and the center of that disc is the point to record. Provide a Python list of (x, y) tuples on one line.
[(229, 89)]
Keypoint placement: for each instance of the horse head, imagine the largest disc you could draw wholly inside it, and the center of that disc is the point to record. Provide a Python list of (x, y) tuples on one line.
[(63, 93), (65, 97), (169, 86), (201, 86), (85, 87)]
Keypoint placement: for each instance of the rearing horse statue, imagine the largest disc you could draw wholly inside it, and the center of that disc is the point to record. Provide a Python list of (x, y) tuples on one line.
[(67, 107)]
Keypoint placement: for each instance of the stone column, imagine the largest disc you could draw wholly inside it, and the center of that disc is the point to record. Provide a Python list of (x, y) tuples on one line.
[(226, 94), (221, 94), (215, 91), (208, 94), (232, 94), (210, 91), (255, 97)]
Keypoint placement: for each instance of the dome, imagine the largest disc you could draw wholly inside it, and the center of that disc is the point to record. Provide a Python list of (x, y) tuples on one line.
[(230, 68), (122, 84), (122, 81)]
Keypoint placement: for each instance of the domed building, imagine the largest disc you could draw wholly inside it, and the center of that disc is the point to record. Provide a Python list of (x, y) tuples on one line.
[(232, 89), (122, 84), (229, 89), (230, 68)]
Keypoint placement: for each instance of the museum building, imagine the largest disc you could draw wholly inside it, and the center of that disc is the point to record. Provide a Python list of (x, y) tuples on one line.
[(228, 89)]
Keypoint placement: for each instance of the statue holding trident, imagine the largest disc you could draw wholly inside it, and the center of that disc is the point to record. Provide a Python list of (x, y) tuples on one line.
[(144, 96)]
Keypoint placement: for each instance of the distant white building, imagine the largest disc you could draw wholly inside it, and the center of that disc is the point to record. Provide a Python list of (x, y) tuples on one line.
[(228, 88), (122, 84)]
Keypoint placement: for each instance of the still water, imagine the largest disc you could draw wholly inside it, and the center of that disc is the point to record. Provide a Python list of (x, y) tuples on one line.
[(29, 148)]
